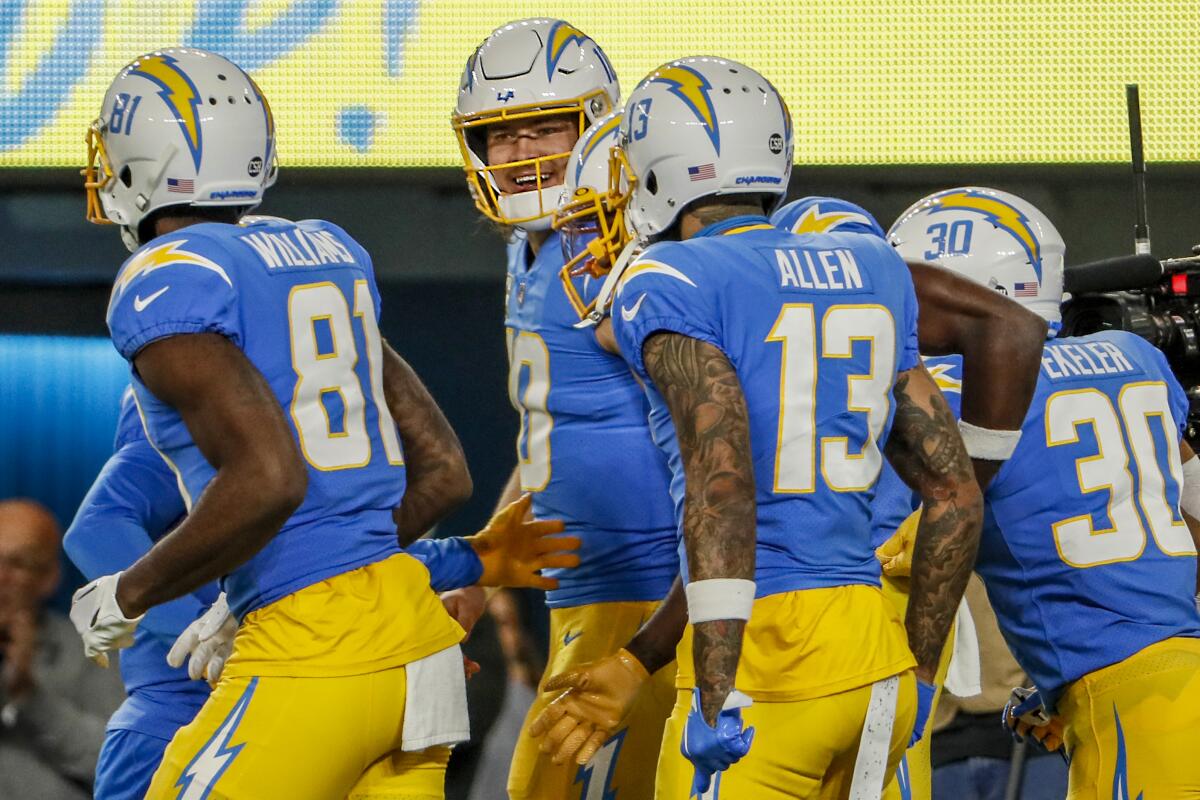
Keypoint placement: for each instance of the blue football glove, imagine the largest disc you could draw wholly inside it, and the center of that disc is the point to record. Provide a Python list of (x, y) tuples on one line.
[(925, 695), (712, 750)]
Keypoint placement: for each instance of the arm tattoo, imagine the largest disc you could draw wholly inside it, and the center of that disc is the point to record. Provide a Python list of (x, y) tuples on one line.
[(927, 450), (708, 409), (436, 468)]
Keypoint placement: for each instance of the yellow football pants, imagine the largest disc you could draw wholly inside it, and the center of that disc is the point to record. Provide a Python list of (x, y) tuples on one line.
[(914, 777), (801, 749), (1133, 729), (625, 764)]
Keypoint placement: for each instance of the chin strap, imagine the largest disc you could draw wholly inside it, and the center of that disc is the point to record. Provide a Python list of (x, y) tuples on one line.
[(604, 298)]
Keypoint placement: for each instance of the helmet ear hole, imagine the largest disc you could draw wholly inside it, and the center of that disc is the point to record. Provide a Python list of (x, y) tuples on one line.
[(652, 183), (126, 176)]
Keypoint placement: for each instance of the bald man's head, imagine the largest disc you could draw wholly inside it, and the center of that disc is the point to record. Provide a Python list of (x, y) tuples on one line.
[(29, 551)]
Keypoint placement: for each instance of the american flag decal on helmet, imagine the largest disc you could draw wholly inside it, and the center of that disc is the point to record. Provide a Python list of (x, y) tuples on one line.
[(703, 172)]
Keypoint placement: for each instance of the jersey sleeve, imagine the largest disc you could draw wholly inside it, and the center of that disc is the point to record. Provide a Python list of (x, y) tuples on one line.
[(664, 290), (174, 285), (134, 499), (452, 563)]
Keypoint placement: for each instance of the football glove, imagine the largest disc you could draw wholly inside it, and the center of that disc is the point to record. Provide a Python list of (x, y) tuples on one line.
[(597, 697), (207, 643), (895, 555), (714, 749), (1024, 715), (925, 694), (99, 618), (513, 550)]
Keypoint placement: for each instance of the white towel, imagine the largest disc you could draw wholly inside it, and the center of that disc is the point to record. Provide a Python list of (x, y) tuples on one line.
[(962, 679), (435, 701)]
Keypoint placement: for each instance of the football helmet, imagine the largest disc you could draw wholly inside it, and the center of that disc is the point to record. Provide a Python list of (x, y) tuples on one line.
[(179, 126), (529, 69), (825, 215), (696, 127), (993, 238), (590, 227)]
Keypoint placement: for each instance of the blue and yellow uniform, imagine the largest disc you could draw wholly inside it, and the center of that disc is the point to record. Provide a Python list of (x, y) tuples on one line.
[(817, 327), (1091, 569), (331, 596), (134, 502), (584, 451)]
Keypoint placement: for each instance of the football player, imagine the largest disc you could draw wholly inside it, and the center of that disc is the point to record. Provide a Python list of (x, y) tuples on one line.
[(1002, 340), (774, 459), (134, 502), (998, 336), (584, 450), (1085, 554), (259, 373)]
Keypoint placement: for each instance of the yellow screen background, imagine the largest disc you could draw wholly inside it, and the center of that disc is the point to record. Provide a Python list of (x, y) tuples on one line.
[(868, 81)]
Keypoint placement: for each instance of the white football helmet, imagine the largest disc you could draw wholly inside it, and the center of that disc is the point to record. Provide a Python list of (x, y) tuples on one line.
[(528, 69), (993, 238), (590, 227), (178, 126), (696, 127)]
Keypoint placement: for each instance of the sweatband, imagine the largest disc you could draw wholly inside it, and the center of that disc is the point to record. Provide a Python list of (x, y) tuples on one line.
[(988, 444), (719, 598)]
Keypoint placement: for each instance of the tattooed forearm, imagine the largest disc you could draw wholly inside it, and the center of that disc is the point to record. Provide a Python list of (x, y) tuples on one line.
[(436, 469), (708, 409), (927, 451)]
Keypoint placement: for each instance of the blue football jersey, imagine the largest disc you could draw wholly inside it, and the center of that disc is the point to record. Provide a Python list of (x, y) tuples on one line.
[(300, 301), (584, 448), (817, 327), (894, 501), (1084, 554), (134, 502)]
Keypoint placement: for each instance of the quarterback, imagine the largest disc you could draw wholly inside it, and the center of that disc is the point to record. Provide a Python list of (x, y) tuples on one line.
[(528, 94), (1086, 556), (259, 374)]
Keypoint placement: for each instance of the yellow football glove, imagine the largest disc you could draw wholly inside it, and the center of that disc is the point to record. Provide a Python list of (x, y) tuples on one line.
[(1045, 728), (513, 548), (598, 696), (895, 555)]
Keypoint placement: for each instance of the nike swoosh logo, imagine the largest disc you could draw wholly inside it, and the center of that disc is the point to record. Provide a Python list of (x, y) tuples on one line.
[(140, 305), (568, 637), (628, 314)]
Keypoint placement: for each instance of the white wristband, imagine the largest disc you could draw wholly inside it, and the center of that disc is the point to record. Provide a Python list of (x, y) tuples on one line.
[(719, 598), (1189, 493), (986, 443)]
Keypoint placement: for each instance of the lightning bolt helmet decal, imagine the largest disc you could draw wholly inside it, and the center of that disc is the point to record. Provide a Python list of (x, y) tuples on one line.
[(693, 89), (179, 93), (1004, 216)]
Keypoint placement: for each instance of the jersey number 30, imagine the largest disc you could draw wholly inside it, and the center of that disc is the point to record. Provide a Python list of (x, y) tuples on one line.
[(328, 365), (1080, 543)]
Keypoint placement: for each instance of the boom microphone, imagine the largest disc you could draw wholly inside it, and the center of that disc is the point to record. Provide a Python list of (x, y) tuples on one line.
[(1113, 274)]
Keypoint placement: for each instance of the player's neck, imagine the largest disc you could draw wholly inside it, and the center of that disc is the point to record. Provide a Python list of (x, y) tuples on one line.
[(693, 221), (167, 225), (536, 239)]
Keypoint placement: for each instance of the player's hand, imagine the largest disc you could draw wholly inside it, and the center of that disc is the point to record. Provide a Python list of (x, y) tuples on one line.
[(597, 697), (513, 549), (895, 555), (99, 619), (925, 694), (714, 749), (1024, 715), (465, 605), (207, 643)]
